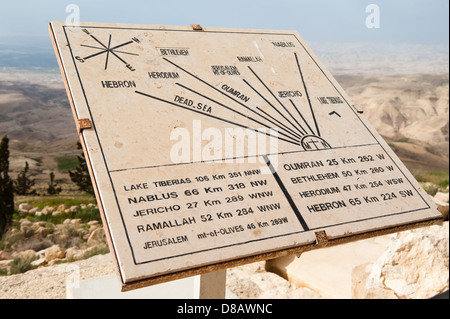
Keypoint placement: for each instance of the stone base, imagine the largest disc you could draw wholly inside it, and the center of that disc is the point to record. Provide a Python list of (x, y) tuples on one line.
[(108, 287)]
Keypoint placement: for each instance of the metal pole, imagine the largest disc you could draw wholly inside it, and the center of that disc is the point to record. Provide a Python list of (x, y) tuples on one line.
[(212, 285)]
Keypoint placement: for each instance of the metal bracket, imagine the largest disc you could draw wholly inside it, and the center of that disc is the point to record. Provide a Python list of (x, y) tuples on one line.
[(196, 27), (83, 124), (358, 108), (211, 285), (321, 238)]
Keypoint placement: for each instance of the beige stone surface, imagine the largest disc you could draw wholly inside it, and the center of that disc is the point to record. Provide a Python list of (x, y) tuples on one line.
[(328, 271), (415, 265), (211, 146), (253, 282), (50, 282), (246, 282), (411, 264), (54, 252)]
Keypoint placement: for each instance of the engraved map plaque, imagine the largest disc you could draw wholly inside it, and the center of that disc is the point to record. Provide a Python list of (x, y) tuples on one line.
[(213, 147)]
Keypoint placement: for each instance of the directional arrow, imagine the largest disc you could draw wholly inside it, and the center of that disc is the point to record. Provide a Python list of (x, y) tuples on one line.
[(334, 112)]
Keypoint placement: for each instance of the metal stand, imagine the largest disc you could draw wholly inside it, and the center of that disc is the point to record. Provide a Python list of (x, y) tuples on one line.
[(211, 285)]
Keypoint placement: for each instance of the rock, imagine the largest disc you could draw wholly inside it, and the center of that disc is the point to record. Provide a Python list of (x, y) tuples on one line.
[(26, 227), (50, 282), (93, 225), (279, 265), (442, 207), (359, 288), (76, 222), (72, 254), (33, 210), (97, 237), (414, 266), (35, 226), (443, 197), (4, 264), (42, 231), (74, 209), (55, 261), (38, 262), (61, 208), (38, 243), (4, 255), (252, 281), (25, 222), (54, 252), (328, 271), (48, 210), (75, 253), (441, 201), (25, 207), (40, 254), (25, 254)]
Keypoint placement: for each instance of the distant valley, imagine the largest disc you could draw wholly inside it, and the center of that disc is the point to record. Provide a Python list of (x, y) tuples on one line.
[(404, 107), (35, 112), (410, 111)]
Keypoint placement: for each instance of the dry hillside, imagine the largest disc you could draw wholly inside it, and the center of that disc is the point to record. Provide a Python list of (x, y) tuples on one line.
[(411, 112)]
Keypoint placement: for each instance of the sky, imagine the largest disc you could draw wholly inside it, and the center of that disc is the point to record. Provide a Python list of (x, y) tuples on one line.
[(330, 21)]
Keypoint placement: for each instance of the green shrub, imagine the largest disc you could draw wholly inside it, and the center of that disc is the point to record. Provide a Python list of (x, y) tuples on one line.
[(444, 183), (66, 163), (21, 265), (55, 201), (438, 179)]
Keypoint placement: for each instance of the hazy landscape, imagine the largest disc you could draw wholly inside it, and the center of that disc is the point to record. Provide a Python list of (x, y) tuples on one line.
[(409, 109), (403, 89), (36, 117)]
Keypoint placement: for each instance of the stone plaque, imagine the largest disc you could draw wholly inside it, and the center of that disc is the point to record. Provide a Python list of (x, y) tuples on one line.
[(213, 147)]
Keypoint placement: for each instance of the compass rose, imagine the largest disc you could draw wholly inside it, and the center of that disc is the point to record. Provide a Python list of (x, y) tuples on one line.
[(108, 50)]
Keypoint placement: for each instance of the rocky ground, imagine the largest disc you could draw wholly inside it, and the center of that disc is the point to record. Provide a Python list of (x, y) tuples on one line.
[(50, 282), (410, 111), (57, 237), (394, 274), (39, 255)]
